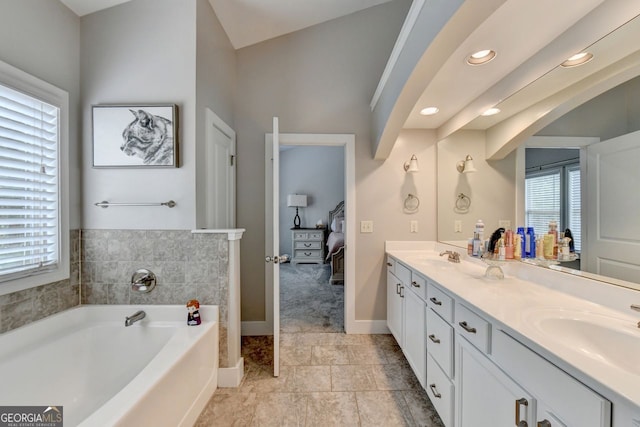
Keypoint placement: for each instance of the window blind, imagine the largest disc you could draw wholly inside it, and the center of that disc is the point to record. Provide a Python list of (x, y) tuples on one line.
[(29, 185), (542, 200)]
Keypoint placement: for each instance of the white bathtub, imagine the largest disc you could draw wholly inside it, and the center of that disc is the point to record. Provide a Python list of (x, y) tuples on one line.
[(157, 372)]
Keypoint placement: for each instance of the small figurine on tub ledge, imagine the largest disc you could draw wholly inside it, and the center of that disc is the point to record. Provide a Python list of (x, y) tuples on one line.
[(193, 318)]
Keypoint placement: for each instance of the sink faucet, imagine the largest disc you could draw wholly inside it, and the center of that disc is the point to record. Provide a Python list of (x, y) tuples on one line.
[(138, 315), (453, 256), (636, 307)]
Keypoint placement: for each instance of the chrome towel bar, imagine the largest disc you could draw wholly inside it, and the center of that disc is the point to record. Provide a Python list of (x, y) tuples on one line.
[(105, 204)]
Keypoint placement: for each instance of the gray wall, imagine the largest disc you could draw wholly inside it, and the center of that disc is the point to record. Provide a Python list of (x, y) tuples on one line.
[(320, 80), (317, 172)]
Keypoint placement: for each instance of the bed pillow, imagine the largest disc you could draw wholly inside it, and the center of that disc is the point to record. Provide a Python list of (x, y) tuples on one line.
[(337, 224)]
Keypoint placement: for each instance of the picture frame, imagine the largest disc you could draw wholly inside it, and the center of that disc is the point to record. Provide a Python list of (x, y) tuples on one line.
[(135, 136)]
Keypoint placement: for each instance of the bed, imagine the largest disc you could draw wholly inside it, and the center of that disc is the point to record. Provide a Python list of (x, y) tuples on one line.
[(335, 244)]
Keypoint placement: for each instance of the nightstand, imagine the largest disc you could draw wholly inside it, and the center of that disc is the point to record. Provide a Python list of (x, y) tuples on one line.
[(308, 245)]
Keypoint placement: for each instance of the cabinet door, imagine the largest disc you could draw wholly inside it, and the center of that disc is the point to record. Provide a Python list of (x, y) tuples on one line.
[(395, 289), (486, 397), (415, 345)]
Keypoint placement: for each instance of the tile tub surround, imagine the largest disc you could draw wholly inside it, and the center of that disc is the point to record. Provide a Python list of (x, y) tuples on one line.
[(187, 265), (367, 383), (23, 307)]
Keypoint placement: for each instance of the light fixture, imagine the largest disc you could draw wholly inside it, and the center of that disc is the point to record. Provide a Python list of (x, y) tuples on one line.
[(491, 112), (466, 165), (577, 59), (412, 165), (429, 111), (481, 57), (297, 201)]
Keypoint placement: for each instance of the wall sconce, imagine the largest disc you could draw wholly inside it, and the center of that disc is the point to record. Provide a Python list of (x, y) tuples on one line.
[(412, 165), (297, 201), (466, 165)]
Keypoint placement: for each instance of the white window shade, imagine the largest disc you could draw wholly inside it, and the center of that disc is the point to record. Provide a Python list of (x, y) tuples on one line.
[(29, 185), (542, 201)]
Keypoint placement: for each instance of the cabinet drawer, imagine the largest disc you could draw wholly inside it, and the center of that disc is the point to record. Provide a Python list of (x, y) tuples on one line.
[(403, 273), (440, 342), (440, 302), (308, 245), (391, 264), (474, 328), (300, 235), (418, 284), (315, 235), (567, 398), (440, 391), (311, 253)]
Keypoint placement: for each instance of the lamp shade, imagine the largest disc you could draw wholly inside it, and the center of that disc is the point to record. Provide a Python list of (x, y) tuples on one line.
[(297, 200), (468, 165)]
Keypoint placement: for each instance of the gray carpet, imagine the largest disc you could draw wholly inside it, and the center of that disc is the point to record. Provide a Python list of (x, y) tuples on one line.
[(308, 302)]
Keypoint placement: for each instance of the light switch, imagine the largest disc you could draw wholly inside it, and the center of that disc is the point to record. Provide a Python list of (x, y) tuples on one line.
[(366, 226), (414, 226), (457, 226)]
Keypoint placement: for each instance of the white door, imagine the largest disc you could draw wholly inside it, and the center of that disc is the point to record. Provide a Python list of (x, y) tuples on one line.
[(220, 185), (273, 259), (613, 208)]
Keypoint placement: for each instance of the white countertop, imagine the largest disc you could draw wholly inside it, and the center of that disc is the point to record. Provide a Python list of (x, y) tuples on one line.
[(516, 303)]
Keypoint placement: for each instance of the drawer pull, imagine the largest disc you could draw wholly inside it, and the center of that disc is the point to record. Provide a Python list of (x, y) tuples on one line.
[(519, 403), (389, 264), (434, 339), (544, 423), (401, 293), (415, 284), (435, 391), (307, 245), (398, 288), (435, 301), (307, 254), (467, 327)]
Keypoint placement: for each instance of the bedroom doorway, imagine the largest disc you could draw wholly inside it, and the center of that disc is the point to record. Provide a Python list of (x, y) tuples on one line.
[(272, 276)]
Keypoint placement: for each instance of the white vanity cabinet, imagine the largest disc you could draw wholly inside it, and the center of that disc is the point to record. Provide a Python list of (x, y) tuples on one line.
[(414, 344), (395, 293)]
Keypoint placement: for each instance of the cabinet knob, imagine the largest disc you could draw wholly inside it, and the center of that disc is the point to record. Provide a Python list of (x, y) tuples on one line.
[(544, 423), (389, 264), (467, 328), (415, 284), (435, 301), (401, 293), (434, 339), (398, 288)]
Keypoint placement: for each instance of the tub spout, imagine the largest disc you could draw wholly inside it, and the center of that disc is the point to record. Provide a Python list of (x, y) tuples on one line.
[(130, 320)]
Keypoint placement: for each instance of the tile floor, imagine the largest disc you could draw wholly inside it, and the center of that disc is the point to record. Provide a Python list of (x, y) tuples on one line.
[(326, 378)]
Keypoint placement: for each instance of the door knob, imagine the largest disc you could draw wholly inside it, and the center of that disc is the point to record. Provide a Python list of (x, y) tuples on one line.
[(274, 259)]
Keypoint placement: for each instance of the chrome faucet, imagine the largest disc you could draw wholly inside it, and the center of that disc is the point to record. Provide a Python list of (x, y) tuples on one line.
[(636, 307), (138, 315), (453, 256)]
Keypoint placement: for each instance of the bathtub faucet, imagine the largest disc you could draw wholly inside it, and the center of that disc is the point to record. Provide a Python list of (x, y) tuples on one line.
[(138, 315)]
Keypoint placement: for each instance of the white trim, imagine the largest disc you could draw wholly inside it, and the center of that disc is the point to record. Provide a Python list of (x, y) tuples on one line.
[(232, 234), (409, 22), (256, 328), (348, 141), (213, 120), (369, 327), (231, 377)]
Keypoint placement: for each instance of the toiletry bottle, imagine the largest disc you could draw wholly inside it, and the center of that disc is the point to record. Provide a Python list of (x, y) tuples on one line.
[(501, 249), (523, 242), (553, 230), (548, 242), (539, 249), (470, 247), (530, 243), (508, 244), (517, 246), (480, 229), (476, 244), (565, 252)]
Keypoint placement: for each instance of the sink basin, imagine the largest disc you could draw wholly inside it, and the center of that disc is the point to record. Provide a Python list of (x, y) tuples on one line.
[(610, 340)]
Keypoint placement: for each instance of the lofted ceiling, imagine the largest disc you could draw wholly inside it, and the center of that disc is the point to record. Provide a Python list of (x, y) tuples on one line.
[(247, 22)]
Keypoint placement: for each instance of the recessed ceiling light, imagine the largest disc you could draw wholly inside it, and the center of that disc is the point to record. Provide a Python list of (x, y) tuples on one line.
[(429, 111), (481, 57), (491, 112), (577, 59)]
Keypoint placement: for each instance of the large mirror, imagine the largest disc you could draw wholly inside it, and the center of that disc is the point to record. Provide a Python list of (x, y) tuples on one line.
[(589, 156)]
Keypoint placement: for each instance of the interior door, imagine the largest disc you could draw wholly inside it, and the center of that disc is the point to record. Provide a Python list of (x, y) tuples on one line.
[(274, 258), (220, 153), (612, 207)]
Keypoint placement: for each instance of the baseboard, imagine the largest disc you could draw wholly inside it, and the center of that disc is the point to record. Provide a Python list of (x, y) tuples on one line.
[(369, 327), (231, 377), (256, 328)]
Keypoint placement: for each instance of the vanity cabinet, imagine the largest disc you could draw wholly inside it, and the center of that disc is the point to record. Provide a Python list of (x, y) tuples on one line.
[(395, 292), (414, 345)]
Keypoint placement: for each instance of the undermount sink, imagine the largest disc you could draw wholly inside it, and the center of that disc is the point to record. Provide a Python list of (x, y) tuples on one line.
[(611, 340)]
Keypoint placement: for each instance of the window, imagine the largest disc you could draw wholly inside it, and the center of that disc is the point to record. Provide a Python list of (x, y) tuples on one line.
[(554, 195), (33, 220)]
